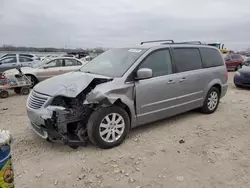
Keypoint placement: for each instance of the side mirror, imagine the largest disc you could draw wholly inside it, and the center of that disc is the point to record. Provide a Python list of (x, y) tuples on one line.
[(144, 73)]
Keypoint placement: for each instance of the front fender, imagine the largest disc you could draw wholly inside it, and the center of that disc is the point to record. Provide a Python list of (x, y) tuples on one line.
[(124, 94)]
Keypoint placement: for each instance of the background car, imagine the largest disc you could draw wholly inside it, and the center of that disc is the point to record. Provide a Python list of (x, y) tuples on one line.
[(234, 61), (47, 69), (242, 76), (32, 56), (13, 61)]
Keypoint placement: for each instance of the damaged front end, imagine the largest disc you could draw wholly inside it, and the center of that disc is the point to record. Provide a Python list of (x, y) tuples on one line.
[(66, 118)]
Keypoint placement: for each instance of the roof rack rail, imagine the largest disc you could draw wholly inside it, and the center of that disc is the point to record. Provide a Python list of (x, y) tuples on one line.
[(157, 41), (190, 42)]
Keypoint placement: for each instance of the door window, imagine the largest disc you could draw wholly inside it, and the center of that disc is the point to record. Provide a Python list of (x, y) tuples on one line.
[(55, 63), (24, 59), (159, 62), (187, 59), (71, 62), (9, 60)]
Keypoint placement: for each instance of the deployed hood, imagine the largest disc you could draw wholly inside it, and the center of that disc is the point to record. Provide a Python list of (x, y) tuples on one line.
[(68, 85), (25, 70)]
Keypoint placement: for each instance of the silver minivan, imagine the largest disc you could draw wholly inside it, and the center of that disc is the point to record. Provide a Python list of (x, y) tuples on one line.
[(124, 88)]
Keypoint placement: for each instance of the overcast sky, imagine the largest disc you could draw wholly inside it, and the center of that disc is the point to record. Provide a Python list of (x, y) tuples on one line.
[(117, 23)]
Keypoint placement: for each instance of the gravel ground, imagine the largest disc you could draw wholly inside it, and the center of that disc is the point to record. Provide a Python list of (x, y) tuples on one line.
[(215, 152)]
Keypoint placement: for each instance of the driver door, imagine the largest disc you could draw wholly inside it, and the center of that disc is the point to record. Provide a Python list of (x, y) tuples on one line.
[(156, 96), (50, 69)]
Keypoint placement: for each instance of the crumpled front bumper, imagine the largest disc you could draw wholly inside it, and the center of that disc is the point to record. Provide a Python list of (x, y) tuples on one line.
[(51, 123), (39, 122)]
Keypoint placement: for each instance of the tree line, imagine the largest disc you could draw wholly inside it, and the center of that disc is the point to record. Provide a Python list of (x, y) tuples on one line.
[(49, 49)]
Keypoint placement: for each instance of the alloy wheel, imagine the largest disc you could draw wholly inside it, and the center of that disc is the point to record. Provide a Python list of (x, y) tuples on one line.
[(112, 127), (212, 100)]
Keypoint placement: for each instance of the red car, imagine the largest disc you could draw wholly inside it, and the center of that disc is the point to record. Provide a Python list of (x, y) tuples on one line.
[(234, 61)]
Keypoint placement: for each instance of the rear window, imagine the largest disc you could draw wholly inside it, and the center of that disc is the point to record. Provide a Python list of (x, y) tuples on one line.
[(187, 59), (236, 56), (211, 57)]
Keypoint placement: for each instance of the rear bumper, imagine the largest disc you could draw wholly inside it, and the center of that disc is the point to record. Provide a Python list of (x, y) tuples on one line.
[(224, 90), (241, 81), (231, 67)]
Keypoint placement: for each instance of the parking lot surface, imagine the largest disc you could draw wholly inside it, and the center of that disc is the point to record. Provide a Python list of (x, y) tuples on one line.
[(190, 150)]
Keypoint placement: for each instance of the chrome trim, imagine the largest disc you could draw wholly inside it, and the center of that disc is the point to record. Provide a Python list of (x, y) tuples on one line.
[(34, 127), (174, 106), (171, 99), (37, 100)]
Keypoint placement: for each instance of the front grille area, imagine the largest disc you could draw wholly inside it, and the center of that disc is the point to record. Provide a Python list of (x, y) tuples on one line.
[(37, 100)]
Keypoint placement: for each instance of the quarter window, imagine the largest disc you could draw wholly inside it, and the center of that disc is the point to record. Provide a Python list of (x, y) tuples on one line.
[(187, 59), (159, 62), (211, 57)]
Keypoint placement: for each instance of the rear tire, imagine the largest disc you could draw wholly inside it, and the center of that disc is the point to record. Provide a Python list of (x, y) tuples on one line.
[(108, 127), (25, 90), (4, 94), (211, 102)]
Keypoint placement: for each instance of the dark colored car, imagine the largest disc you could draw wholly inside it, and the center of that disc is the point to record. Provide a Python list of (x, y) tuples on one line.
[(234, 61), (242, 76)]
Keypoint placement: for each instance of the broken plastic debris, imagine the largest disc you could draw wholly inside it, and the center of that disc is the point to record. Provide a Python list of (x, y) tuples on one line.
[(5, 137)]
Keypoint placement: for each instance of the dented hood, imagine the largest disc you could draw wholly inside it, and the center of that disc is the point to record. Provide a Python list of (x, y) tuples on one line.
[(68, 85)]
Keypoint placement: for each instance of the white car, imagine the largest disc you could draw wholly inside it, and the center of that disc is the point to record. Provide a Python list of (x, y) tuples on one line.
[(47, 69), (31, 56)]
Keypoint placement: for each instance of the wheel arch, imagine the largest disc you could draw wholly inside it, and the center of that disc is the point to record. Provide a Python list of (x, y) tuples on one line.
[(121, 104), (214, 83)]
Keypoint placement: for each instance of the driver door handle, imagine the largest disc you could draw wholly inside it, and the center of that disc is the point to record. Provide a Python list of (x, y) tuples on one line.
[(171, 82), (182, 79)]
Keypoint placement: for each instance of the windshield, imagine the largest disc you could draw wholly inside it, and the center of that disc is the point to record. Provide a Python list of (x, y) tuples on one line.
[(38, 64), (113, 63)]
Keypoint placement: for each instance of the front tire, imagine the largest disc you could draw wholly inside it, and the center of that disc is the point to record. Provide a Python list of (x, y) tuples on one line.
[(108, 127), (211, 102), (17, 90), (4, 94)]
